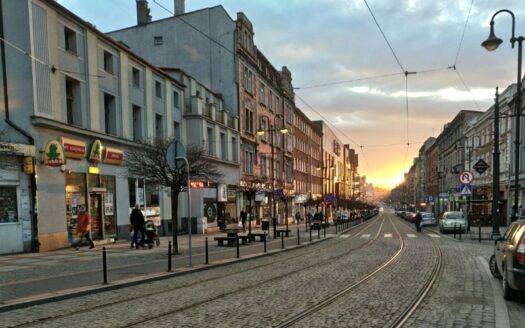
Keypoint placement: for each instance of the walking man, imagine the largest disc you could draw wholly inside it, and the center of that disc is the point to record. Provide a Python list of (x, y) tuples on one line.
[(136, 219), (418, 219), (244, 216), (84, 228)]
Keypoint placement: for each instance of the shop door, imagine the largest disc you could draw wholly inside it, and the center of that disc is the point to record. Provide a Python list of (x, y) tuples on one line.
[(95, 210)]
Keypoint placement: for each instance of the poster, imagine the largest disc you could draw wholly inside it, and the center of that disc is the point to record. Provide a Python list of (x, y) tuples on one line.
[(108, 205), (76, 202)]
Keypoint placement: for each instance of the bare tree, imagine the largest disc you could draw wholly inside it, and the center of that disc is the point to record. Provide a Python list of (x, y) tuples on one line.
[(251, 189), (149, 162)]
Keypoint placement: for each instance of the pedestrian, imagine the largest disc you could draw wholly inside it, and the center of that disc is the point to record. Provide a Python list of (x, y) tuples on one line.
[(418, 219), (297, 217), (136, 219), (84, 228), (244, 216)]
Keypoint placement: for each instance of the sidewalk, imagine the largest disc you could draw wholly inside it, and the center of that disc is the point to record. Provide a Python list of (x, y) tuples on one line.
[(34, 277)]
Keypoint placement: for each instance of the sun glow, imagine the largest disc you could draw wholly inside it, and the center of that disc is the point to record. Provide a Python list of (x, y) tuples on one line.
[(387, 182)]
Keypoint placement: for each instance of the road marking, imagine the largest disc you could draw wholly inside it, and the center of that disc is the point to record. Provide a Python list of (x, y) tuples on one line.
[(365, 236), (411, 235), (433, 235), (502, 313), (345, 236), (388, 235)]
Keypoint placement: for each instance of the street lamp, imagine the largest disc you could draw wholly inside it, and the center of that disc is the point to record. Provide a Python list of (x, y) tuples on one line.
[(491, 44), (271, 131)]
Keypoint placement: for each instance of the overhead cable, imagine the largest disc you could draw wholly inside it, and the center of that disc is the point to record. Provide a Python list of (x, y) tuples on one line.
[(463, 34)]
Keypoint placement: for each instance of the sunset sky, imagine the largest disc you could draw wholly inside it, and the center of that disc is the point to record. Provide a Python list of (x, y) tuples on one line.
[(347, 74)]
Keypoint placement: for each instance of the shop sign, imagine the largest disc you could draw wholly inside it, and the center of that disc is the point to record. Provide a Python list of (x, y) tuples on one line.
[(113, 156), (222, 194), (54, 154), (197, 184), (232, 194), (74, 148), (11, 148), (259, 197), (301, 198), (95, 151), (28, 165)]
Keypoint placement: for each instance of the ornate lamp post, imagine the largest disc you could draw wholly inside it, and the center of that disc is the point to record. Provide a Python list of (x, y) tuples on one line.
[(492, 44)]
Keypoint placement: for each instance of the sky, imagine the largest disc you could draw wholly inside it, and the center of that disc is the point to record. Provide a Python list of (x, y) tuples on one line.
[(350, 76)]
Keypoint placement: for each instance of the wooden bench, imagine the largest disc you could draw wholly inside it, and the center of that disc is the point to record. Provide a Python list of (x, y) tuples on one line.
[(231, 241), (286, 232), (261, 235)]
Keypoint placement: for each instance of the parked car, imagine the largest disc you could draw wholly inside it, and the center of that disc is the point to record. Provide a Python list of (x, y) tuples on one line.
[(428, 219), (453, 222), (410, 216), (508, 261)]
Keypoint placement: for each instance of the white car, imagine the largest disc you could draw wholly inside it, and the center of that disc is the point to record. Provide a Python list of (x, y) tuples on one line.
[(428, 219)]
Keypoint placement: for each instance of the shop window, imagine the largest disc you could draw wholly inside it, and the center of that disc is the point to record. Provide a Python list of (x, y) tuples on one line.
[(8, 205), (152, 194), (75, 198)]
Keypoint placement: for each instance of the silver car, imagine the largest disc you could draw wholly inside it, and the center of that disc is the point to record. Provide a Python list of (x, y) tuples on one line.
[(428, 219), (453, 222)]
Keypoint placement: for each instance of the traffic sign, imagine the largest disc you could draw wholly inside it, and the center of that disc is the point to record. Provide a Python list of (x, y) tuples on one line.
[(466, 177), (481, 166), (466, 189)]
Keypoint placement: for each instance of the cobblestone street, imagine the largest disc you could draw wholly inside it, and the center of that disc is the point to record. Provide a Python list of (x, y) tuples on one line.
[(268, 290)]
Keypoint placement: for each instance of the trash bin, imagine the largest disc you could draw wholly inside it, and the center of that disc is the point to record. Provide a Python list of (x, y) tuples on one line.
[(266, 225)]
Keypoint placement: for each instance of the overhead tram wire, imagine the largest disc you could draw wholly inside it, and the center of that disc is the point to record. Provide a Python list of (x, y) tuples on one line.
[(467, 88), (335, 127), (463, 34), (195, 28)]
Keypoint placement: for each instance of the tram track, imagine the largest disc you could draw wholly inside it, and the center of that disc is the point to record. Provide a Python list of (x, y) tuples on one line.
[(371, 224)]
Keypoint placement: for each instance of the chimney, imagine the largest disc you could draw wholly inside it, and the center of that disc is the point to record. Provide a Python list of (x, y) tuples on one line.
[(179, 7), (143, 16)]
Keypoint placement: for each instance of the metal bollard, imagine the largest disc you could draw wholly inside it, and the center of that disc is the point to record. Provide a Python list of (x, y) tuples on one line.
[(460, 231), (238, 253), (264, 240), (454, 231), (324, 230), (479, 233), (206, 250), (104, 266), (298, 237), (336, 226), (319, 233), (169, 256), (310, 234), (282, 240)]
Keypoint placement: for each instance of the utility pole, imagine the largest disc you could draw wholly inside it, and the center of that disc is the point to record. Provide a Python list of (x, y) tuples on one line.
[(495, 172)]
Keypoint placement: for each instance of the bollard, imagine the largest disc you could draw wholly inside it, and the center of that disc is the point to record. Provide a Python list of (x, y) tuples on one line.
[(298, 237), (454, 231), (319, 233), (282, 240), (310, 235), (237, 244), (104, 266), (479, 232), (169, 256), (264, 240), (336, 226), (324, 230), (460, 231), (206, 250)]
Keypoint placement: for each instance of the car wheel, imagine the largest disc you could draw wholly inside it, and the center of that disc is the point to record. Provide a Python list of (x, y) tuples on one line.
[(494, 267), (508, 293)]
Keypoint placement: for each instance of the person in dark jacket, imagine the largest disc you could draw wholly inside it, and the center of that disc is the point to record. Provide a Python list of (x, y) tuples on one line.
[(417, 221), (137, 222)]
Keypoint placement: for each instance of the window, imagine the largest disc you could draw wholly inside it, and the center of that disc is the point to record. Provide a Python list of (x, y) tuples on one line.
[(137, 123), (224, 147), (157, 40), (248, 162), (262, 127), (110, 115), (289, 170), (250, 81), (176, 130), (262, 94), (159, 127), (8, 204), (245, 79), (270, 99), (235, 156), (249, 120), (277, 105), (73, 109), (279, 170), (289, 113), (176, 99), (264, 168), (211, 141), (135, 74), (158, 89), (70, 40), (108, 62)]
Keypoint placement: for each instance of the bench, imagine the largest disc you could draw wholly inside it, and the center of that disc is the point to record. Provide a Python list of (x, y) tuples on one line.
[(231, 241), (245, 239), (286, 232), (261, 235)]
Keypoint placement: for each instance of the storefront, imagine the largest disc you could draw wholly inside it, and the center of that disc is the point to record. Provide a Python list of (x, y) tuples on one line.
[(16, 229)]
